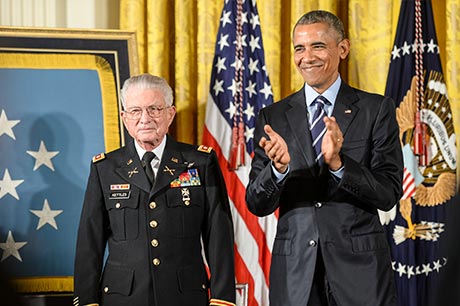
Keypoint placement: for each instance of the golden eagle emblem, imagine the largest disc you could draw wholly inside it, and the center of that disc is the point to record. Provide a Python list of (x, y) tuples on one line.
[(431, 181)]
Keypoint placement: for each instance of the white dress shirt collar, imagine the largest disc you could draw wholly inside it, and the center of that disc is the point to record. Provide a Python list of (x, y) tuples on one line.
[(330, 94), (158, 151)]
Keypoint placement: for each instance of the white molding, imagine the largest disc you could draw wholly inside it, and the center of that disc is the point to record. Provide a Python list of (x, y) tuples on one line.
[(81, 14), (16, 13), (38, 16), (49, 13), (90, 14), (5, 11), (27, 15)]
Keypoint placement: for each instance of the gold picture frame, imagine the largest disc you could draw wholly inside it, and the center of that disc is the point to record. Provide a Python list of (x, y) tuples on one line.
[(118, 48), (113, 55)]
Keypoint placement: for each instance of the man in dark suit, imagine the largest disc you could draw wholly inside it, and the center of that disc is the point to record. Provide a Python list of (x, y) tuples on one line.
[(158, 216), (330, 248)]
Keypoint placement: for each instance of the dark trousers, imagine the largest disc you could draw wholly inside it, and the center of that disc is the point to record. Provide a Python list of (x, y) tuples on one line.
[(320, 294)]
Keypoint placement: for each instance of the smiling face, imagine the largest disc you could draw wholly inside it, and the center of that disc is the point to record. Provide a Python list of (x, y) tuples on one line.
[(147, 130), (317, 54)]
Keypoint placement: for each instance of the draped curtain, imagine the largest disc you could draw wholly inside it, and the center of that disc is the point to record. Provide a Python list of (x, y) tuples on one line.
[(176, 40)]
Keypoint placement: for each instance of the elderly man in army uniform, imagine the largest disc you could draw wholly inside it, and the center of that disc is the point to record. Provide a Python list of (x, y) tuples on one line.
[(159, 206)]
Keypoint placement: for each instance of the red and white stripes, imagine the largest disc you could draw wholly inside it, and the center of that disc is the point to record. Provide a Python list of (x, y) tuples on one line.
[(253, 235)]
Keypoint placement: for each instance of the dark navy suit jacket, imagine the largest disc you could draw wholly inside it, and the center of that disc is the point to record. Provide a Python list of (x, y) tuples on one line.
[(317, 210)]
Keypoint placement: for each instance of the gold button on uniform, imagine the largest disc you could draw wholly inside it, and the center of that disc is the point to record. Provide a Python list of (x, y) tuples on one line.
[(156, 262), (153, 223), (106, 289), (187, 202), (118, 205), (152, 205), (154, 243)]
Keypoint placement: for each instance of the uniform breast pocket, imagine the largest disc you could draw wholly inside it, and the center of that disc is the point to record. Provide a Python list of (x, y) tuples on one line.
[(123, 214), (185, 209)]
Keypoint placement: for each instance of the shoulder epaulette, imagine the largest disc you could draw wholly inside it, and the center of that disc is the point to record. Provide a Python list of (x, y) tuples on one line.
[(205, 149), (98, 157)]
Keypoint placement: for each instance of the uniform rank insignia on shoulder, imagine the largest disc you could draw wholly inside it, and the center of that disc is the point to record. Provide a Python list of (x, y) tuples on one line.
[(205, 149), (98, 157)]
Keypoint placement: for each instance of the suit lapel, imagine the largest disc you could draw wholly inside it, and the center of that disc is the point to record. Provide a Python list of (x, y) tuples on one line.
[(344, 108), (131, 169), (297, 118)]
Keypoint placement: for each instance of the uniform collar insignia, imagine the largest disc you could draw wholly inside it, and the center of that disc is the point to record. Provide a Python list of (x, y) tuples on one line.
[(132, 172), (190, 164), (167, 169)]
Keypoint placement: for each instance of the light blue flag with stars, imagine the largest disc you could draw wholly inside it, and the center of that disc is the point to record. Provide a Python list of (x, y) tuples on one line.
[(50, 126)]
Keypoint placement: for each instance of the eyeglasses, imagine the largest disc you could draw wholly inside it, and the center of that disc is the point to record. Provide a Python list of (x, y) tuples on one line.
[(153, 111)]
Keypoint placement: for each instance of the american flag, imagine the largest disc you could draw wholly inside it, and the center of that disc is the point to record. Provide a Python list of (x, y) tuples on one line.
[(239, 89), (415, 227)]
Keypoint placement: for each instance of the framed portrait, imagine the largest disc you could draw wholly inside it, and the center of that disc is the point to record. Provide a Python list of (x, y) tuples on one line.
[(59, 107)]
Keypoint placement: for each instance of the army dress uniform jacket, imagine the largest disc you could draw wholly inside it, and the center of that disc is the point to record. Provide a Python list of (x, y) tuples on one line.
[(153, 235), (318, 211)]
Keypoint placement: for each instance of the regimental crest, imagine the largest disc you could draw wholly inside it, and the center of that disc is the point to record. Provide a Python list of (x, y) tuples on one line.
[(429, 148)]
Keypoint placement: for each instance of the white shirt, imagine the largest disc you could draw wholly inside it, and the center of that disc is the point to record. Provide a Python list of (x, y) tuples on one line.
[(158, 151), (310, 94)]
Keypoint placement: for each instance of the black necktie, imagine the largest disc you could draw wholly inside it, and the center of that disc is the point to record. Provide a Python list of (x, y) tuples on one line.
[(147, 164), (318, 128)]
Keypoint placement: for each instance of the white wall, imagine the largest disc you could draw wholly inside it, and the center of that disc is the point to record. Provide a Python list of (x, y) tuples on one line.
[(88, 14)]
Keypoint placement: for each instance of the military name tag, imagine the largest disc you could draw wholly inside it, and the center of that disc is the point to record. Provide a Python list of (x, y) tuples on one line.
[(120, 195)]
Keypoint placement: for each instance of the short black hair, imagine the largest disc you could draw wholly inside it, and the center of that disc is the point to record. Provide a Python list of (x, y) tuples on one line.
[(320, 16)]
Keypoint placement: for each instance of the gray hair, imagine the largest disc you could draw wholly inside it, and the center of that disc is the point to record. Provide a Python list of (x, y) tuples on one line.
[(148, 81), (324, 17)]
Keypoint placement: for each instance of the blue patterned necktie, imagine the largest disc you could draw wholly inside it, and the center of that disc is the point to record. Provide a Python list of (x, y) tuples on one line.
[(317, 127)]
